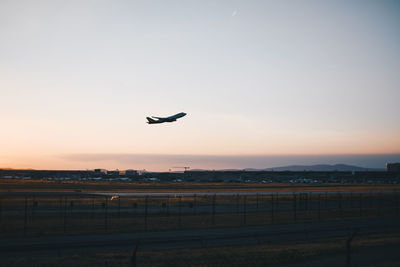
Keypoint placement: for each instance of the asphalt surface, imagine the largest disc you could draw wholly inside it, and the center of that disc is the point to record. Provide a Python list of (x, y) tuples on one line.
[(186, 194), (232, 194), (204, 238)]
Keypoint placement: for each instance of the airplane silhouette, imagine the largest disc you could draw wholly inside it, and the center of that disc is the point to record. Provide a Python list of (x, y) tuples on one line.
[(166, 119)]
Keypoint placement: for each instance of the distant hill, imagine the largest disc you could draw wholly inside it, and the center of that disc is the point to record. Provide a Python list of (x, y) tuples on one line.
[(297, 168), (318, 167)]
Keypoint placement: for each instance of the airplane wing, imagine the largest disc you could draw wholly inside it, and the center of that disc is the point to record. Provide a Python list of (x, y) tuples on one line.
[(159, 118)]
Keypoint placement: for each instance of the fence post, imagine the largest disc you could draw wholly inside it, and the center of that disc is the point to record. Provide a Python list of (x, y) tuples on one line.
[(133, 255), (145, 212), (371, 199), (26, 215), (272, 208), (92, 207), (167, 205), (360, 204), (119, 207), (237, 203), (307, 195), (213, 209), (340, 205), (294, 207), (106, 215), (319, 207), (65, 214), (276, 208), (257, 202), (61, 209), (194, 204), (351, 200), (71, 209), (33, 208), (348, 247), (398, 203), (326, 200), (180, 212), (244, 209)]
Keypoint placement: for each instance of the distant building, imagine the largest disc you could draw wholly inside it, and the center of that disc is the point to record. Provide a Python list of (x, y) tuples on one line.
[(100, 171), (131, 173), (113, 173), (393, 167)]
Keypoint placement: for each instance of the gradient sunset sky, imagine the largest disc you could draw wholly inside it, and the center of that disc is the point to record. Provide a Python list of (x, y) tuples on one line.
[(264, 83)]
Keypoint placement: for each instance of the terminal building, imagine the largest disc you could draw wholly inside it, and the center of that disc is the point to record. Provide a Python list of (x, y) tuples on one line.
[(393, 167), (131, 173)]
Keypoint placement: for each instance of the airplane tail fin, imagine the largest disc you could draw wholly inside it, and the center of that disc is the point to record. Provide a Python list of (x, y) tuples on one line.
[(150, 120)]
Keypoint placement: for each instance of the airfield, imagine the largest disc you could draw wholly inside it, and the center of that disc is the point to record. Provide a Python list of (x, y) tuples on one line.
[(101, 223)]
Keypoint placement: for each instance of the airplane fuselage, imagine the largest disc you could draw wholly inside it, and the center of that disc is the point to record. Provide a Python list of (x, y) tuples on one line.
[(153, 120)]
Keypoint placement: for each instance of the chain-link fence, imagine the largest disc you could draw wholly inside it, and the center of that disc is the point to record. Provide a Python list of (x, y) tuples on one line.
[(44, 215)]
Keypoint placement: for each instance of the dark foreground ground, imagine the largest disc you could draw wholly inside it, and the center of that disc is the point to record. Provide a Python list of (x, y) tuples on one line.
[(376, 243), (47, 224)]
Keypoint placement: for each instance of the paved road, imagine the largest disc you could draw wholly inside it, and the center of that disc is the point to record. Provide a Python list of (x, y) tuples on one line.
[(200, 238)]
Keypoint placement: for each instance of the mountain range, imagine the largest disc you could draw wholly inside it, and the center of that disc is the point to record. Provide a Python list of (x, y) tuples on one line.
[(318, 167)]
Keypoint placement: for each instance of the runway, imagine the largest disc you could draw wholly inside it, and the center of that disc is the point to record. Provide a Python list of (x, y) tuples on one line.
[(226, 194)]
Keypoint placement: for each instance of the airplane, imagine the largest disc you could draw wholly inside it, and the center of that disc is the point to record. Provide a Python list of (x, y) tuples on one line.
[(167, 119)]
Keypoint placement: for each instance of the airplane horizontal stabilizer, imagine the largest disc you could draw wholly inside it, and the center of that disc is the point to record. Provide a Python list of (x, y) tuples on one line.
[(150, 120)]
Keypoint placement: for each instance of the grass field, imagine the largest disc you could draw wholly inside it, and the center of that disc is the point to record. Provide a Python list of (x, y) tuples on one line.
[(25, 209)]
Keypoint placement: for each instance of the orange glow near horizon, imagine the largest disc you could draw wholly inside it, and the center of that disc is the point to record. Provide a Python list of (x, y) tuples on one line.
[(40, 151)]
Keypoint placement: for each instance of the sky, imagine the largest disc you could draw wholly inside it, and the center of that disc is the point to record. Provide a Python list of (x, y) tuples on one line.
[(264, 83)]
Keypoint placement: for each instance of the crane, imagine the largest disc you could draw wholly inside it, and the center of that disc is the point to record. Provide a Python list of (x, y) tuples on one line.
[(185, 168)]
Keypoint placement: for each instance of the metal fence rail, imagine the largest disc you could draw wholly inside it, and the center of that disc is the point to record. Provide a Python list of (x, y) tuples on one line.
[(84, 214)]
